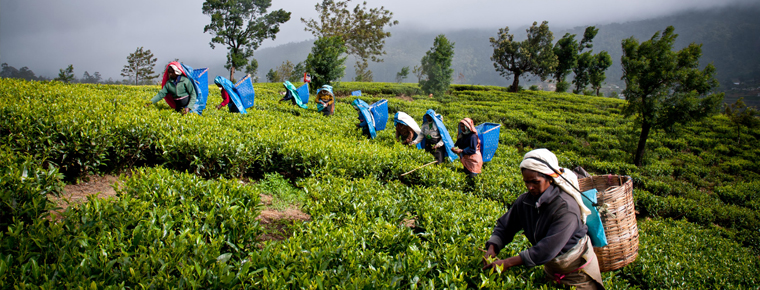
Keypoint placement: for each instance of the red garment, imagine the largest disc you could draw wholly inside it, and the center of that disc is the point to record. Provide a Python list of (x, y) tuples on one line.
[(169, 98), (225, 98)]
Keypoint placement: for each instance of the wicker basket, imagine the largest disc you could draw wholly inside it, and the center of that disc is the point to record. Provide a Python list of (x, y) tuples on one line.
[(619, 220)]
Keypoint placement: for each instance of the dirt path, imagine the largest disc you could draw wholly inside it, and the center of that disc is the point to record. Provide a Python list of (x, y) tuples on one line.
[(100, 186), (278, 223)]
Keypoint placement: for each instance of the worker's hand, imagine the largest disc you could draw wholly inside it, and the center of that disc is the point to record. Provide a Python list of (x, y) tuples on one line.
[(456, 150), (490, 256), (148, 104), (501, 264), (185, 111)]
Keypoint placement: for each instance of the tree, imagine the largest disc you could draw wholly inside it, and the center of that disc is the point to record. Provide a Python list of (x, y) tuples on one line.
[(272, 76), (325, 63), (284, 71), (533, 55), (403, 74), (361, 29), (252, 69), (665, 87), (8, 71), (66, 75), (567, 51), (741, 115), (362, 73), (436, 65), (140, 66), (90, 79), (23, 73), (602, 61), (417, 71), (242, 25), (581, 71), (296, 74)]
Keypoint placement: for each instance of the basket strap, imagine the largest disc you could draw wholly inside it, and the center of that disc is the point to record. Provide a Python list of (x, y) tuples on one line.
[(568, 182)]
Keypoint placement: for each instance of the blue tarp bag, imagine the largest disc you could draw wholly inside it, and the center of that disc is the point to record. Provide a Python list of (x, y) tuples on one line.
[(356, 93), (365, 114), (200, 83), (447, 141), (593, 220), (489, 139), (245, 91), (232, 91), (294, 93), (303, 92), (379, 112)]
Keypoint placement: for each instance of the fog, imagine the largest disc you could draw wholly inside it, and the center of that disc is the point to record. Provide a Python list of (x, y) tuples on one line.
[(96, 35)]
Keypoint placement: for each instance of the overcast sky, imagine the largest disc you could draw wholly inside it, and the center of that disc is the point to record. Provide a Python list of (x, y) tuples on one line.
[(97, 35)]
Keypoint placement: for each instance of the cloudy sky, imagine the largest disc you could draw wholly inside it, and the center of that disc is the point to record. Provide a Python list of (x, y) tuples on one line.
[(97, 35)]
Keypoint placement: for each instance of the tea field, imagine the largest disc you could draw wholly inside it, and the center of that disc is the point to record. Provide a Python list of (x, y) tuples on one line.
[(185, 213)]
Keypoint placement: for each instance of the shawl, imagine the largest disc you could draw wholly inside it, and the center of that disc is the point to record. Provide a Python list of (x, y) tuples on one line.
[(568, 184)]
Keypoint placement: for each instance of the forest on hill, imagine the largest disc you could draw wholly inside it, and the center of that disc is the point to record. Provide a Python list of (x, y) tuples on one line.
[(730, 40)]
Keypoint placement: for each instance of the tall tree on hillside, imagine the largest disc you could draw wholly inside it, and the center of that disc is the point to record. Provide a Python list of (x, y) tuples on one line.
[(567, 50), (533, 55), (585, 61), (741, 115), (436, 65), (417, 71), (66, 75), (296, 74), (252, 69), (272, 76), (325, 63), (581, 71), (665, 87), (242, 25), (602, 61), (362, 29), (140, 66), (88, 78), (402, 75), (284, 71)]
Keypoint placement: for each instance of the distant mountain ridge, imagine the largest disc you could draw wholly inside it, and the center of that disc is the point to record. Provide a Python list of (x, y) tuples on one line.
[(730, 39)]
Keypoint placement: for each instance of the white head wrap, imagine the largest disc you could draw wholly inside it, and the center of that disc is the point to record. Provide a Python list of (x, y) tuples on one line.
[(409, 121), (175, 69), (549, 157)]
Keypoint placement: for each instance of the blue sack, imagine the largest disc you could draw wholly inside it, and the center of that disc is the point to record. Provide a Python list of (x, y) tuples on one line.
[(447, 142), (369, 119), (199, 79), (593, 221), (231, 91)]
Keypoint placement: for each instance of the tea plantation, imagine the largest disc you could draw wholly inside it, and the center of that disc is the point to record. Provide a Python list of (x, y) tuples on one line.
[(182, 218)]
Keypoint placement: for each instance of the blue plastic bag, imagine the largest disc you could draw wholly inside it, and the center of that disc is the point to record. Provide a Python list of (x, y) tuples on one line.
[(593, 221)]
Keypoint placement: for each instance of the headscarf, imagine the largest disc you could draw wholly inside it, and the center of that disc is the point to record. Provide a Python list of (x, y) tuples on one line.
[(327, 88), (469, 127), (568, 184), (405, 119), (176, 70)]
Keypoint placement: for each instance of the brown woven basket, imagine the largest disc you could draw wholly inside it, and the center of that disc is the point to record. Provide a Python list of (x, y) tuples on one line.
[(619, 221)]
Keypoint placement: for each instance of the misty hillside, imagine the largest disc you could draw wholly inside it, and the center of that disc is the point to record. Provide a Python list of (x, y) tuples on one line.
[(730, 38)]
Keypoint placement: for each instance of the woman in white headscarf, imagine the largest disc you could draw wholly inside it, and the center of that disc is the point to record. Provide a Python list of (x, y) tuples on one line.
[(553, 218)]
